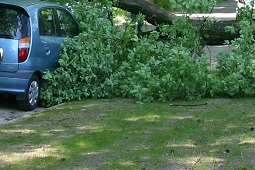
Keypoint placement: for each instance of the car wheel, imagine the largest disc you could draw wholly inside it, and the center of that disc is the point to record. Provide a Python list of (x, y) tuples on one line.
[(31, 95)]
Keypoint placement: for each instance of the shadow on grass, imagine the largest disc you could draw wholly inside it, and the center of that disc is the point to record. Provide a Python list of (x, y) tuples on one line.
[(119, 134)]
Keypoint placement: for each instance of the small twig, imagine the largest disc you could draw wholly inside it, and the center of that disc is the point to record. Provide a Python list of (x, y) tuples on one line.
[(178, 125), (197, 162), (191, 105)]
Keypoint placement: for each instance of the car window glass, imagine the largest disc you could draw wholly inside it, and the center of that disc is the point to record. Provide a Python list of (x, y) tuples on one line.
[(68, 26), (14, 23), (47, 22)]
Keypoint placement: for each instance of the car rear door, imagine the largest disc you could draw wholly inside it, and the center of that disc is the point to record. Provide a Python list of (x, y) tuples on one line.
[(53, 31), (49, 37)]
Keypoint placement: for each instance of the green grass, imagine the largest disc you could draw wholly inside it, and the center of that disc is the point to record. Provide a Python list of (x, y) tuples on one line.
[(119, 134)]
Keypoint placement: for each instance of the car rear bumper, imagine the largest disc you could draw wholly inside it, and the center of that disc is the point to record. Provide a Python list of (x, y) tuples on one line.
[(15, 83)]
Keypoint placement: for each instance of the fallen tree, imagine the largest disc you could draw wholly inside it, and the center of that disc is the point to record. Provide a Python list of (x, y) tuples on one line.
[(103, 62), (153, 14), (214, 34)]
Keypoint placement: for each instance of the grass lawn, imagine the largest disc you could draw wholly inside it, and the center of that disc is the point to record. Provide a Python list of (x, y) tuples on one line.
[(119, 134)]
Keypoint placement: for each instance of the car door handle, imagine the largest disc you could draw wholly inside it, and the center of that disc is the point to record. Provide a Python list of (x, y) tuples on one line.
[(1, 54), (47, 50)]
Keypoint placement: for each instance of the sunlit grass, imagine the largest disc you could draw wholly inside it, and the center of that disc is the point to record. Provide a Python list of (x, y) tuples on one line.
[(119, 134)]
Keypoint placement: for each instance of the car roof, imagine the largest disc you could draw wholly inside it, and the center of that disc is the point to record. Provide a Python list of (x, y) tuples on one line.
[(26, 3)]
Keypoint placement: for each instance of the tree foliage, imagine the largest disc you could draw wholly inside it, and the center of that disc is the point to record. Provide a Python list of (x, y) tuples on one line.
[(235, 76), (106, 61)]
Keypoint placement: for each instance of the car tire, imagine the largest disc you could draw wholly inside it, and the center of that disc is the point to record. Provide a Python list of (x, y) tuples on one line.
[(31, 95)]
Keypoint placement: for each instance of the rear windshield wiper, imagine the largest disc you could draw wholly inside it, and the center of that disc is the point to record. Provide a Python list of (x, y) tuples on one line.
[(6, 36)]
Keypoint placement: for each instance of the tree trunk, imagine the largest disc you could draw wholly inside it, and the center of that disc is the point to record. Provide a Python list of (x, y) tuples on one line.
[(153, 14), (214, 34)]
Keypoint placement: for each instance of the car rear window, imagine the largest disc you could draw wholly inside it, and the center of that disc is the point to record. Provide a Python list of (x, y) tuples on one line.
[(14, 22)]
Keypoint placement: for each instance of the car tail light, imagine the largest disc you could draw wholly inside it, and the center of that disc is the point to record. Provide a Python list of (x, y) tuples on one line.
[(24, 45)]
